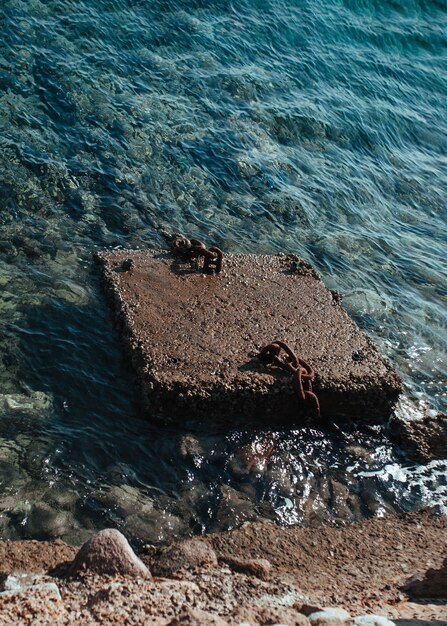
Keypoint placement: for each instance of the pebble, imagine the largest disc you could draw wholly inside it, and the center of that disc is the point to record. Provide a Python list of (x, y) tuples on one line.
[(48, 589), (18, 581), (108, 552), (329, 617), (373, 620)]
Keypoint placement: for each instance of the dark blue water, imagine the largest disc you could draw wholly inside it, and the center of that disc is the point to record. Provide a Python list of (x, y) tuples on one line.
[(317, 127)]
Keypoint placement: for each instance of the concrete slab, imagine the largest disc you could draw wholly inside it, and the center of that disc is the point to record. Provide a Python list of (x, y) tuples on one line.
[(193, 339)]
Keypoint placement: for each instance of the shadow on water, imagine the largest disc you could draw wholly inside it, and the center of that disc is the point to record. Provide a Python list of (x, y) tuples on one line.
[(82, 428)]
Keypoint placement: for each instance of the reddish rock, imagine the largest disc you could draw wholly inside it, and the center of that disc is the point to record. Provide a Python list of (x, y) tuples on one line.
[(424, 440), (432, 584), (307, 609), (196, 617), (187, 554), (33, 556), (260, 568), (108, 552), (269, 615), (38, 604)]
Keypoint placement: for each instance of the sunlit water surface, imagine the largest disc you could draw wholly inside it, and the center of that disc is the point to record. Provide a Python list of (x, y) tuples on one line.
[(317, 127)]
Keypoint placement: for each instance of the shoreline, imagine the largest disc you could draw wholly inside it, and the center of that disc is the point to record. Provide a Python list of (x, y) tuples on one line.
[(360, 567)]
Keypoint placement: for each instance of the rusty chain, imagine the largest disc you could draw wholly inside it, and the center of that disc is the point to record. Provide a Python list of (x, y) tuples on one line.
[(302, 372), (193, 249)]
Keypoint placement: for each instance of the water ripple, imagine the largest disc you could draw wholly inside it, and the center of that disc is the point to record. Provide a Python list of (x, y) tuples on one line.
[(315, 127)]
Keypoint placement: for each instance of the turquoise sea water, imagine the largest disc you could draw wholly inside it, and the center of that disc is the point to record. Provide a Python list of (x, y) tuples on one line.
[(317, 127)]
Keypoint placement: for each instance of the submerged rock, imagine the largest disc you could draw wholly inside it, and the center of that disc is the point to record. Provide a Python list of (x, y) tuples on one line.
[(125, 500), (233, 509), (36, 403), (108, 552), (424, 440), (45, 522), (154, 526), (71, 292), (9, 452), (359, 454), (254, 457), (191, 450)]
